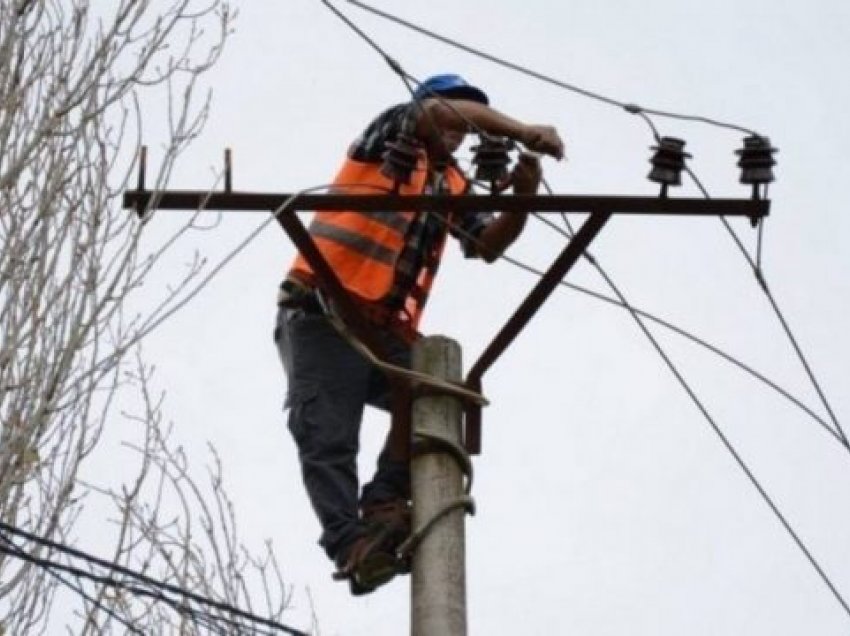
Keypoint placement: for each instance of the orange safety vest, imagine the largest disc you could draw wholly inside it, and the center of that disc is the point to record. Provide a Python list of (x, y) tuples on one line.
[(363, 247)]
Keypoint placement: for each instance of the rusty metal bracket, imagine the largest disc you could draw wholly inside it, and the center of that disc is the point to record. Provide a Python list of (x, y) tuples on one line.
[(541, 203), (524, 313)]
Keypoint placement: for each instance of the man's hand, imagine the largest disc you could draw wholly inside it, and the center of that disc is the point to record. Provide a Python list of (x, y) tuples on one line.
[(526, 174), (505, 228), (543, 139)]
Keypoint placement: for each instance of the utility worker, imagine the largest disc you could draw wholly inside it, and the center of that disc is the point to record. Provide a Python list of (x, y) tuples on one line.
[(387, 261)]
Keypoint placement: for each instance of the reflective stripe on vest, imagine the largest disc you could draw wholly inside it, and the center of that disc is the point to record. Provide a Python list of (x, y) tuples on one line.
[(363, 247), (354, 241)]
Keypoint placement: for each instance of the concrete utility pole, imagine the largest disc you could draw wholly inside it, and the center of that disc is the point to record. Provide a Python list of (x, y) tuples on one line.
[(438, 579)]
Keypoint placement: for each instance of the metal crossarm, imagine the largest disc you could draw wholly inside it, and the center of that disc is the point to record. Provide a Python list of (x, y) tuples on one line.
[(600, 209), (258, 201)]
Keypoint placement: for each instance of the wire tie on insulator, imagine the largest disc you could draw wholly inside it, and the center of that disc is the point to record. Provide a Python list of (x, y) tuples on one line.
[(668, 163)]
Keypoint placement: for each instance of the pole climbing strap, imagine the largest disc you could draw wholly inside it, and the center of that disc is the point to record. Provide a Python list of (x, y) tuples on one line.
[(417, 380), (409, 545), (424, 443)]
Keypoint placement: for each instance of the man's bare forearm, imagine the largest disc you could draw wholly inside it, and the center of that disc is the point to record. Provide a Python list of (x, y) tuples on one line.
[(458, 114)]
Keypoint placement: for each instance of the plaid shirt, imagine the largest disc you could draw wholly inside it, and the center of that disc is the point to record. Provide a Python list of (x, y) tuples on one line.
[(423, 235)]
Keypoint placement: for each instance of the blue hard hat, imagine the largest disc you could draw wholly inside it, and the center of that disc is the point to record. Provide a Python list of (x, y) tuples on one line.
[(451, 86)]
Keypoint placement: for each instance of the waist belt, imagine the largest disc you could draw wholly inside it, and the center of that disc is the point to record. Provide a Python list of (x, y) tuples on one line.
[(296, 295)]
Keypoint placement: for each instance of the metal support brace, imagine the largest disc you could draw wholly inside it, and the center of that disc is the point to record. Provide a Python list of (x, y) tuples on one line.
[(538, 295)]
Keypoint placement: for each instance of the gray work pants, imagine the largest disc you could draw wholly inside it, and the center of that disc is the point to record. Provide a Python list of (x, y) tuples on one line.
[(329, 383)]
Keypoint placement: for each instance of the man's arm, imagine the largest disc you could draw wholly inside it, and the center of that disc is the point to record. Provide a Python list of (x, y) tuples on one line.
[(457, 114), (500, 233)]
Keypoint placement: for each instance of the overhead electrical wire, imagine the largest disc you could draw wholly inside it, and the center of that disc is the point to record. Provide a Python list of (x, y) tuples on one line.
[(282, 209), (155, 589), (685, 334), (12, 549), (714, 426), (677, 374), (636, 314), (163, 312), (722, 437), (528, 268), (407, 78), (633, 109), (758, 272), (54, 568), (629, 107)]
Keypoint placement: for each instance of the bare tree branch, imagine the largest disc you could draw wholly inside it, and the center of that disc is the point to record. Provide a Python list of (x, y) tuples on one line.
[(73, 75)]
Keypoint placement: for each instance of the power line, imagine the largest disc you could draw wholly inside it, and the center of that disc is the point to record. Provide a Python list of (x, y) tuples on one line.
[(155, 320), (716, 428), (13, 550), (726, 442), (405, 77), (662, 323), (156, 590), (723, 438), (689, 336), (634, 109), (758, 272), (712, 423), (628, 107), (397, 68), (631, 108)]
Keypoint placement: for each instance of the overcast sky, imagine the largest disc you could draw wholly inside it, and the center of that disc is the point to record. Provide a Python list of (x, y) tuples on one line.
[(606, 504)]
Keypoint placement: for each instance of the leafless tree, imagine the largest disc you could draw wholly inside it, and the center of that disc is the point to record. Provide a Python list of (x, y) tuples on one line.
[(73, 76)]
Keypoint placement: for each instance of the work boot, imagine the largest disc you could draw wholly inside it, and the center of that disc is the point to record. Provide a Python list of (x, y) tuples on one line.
[(393, 519), (369, 562)]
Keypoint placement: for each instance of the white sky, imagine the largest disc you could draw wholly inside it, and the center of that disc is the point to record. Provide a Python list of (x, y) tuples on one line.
[(605, 503)]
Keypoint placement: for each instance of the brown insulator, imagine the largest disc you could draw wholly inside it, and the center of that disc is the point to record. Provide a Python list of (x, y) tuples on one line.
[(756, 160), (492, 159), (668, 163), (400, 158)]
